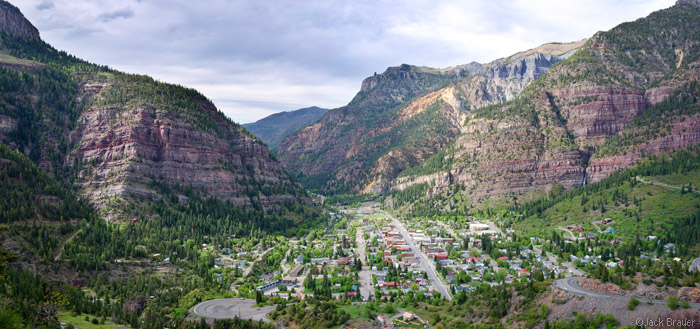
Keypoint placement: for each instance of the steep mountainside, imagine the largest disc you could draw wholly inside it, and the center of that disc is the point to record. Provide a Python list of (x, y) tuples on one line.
[(274, 128), (126, 141), (14, 23), (602, 109), (402, 117), (658, 196)]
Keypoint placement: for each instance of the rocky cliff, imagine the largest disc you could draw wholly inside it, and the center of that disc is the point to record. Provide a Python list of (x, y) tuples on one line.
[(402, 117), (128, 143), (602, 109), (13, 23)]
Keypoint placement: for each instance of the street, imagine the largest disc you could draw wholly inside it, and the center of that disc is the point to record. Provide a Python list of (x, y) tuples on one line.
[(365, 274), (424, 262)]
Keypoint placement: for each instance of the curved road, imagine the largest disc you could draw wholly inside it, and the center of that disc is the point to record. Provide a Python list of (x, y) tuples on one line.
[(229, 308), (571, 285), (695, 266)]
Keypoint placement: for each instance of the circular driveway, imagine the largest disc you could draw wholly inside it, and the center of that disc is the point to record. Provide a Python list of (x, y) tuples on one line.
[(229, 308)]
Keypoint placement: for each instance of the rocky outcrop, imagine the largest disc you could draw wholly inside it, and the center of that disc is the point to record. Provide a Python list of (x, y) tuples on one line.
[(683, 132), (14, 23), (387, 129), (600, 111), (120, 151)]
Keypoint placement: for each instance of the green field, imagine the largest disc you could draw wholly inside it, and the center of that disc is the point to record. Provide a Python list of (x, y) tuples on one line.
[(9, 59), (79, 322)]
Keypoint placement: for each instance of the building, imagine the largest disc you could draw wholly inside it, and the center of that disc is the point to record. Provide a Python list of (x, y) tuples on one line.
[(440, 257), (289, 281), (478, 227), (268, 286)]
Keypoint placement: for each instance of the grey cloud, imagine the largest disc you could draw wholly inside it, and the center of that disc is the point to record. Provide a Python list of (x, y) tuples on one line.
[(249, 55), (121, 13), (44, 5)]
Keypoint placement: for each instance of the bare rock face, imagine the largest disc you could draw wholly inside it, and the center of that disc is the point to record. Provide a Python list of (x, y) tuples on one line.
[(600, 111), (121, 151), (402, 117), (14, 23)]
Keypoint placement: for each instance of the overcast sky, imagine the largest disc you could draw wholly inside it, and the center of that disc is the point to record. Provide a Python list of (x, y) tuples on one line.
[(257, 57)]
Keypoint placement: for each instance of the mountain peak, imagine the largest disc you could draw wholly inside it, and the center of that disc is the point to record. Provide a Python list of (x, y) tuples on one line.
[(13, 22), (695, 3)]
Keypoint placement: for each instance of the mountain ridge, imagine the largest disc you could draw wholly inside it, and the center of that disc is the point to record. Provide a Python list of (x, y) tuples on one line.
[(376, 155), (275, 127), (127, 141), (555, 132)]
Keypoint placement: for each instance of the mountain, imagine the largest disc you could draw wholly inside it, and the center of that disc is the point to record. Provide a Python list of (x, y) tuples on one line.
[(404, 116), (13, 23), (627, 93), (274, 128), (127, 142)]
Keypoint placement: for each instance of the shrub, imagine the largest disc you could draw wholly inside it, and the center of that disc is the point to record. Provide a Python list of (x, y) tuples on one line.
[(673, 302), (632, 304)]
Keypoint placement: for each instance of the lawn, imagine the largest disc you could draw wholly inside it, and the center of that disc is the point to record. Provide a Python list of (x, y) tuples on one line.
[(356, 311), (79, 322)]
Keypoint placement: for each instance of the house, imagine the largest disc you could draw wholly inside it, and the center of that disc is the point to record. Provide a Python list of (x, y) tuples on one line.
[(408, 316), (289, 281), (610, 230), (607, 221), (439, 257), (297, 270), (299, 259), (322, 260), (345, 261)]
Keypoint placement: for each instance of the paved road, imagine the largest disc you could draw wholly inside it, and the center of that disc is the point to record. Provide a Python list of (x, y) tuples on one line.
[(573, 237), (228, 308), (365, 274), (247, 270), (695, 265), (571, 285), (493, 227), (284, 268), (424, 262)]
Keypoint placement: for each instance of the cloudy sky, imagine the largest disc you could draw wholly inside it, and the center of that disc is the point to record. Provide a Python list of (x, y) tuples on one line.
[(257, 57)]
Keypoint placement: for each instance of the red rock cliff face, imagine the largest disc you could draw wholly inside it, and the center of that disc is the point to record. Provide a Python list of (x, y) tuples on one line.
[(121, 150), (600, 111)]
